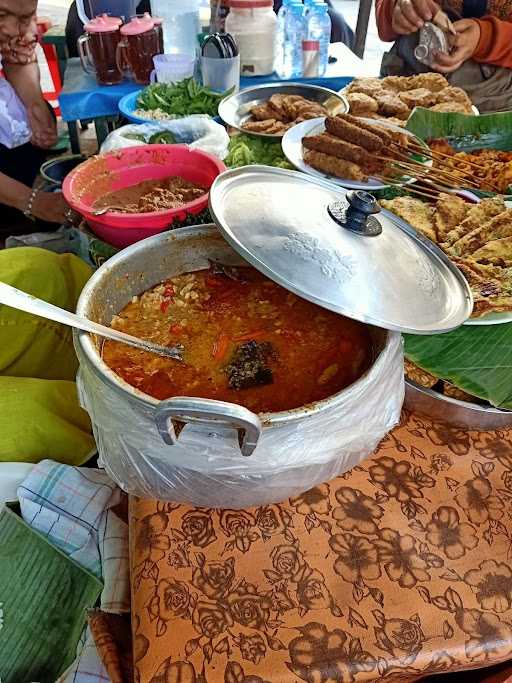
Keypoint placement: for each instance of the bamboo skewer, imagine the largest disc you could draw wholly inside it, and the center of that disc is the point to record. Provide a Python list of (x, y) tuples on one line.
[(418, 169), (418, 149), (439, 175), (409, 188)]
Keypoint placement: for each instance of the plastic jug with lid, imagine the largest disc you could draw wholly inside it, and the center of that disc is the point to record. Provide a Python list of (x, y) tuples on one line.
[(181, 24), (88, 9), (138, 46), (97, 49)]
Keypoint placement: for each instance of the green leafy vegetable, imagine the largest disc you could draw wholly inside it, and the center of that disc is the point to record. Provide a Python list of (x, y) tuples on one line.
[(477, 359), (247, 149), (180, 99), (163, 137)]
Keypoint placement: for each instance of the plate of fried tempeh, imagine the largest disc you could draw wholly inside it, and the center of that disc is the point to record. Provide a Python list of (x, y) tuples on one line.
[(270, 110), (355, 153)]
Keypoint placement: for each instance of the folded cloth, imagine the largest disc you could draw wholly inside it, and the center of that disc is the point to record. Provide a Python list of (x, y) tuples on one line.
[(399, 569), (83, 513), (39, 411), (43, 599)]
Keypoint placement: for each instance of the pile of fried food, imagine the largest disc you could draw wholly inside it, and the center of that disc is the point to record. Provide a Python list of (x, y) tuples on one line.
[(281, 112), (352, 149), (495, 166), (394, 97), (425, 379), (477, 238)]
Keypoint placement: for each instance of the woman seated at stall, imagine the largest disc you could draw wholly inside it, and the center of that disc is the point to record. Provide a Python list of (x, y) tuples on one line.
[(27, 124), (480, 59)]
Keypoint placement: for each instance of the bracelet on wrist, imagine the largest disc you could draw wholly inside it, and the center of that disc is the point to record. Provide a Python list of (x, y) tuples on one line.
[(30, 203)]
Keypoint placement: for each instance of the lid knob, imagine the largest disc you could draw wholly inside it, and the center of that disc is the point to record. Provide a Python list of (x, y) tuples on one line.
[(357, 214)]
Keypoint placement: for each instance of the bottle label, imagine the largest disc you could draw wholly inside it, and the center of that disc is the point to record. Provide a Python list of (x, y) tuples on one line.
[(310, 59)]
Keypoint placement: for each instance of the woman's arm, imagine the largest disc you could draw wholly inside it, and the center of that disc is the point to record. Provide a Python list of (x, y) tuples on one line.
[(384, 19), (25, 79), (494, 46), (47, 206)]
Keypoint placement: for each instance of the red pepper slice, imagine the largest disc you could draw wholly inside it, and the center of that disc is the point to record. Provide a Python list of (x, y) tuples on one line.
[(176, 328), (220, 348), (165, 305)]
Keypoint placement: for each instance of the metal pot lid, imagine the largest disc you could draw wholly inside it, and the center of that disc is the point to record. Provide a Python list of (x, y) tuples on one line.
[(337, 249)]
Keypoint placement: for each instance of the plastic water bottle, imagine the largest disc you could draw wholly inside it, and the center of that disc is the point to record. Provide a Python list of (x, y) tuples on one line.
[(319, 29), (279, 46), (289, 41), (308, 4)]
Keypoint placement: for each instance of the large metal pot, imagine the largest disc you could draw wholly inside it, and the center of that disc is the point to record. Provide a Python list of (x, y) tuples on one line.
[(203, 462)]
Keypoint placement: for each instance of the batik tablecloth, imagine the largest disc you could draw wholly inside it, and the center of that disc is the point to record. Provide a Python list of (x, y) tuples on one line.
[(400, 568)]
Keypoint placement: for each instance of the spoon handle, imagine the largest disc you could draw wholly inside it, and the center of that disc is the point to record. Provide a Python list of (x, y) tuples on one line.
[(10, 296)]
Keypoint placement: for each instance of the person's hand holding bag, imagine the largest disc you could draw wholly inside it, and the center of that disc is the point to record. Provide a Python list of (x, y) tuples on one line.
[(463, 46), (410, 15)]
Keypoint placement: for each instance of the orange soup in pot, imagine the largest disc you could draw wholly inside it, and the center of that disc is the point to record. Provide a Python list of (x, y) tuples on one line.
[(246, 340)]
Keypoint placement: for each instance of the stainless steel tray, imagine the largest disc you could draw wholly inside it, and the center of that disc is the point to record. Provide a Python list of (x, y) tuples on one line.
[(457, 413), (235, 109)]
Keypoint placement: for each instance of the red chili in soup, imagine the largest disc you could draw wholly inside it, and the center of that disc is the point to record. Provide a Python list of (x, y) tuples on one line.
[(246, 339)]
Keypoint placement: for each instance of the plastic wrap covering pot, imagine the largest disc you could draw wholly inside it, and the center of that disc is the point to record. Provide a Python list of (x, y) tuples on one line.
[(210, 453)]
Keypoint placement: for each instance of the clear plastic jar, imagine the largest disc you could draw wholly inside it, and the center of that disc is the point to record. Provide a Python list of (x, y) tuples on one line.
[(253, 25)]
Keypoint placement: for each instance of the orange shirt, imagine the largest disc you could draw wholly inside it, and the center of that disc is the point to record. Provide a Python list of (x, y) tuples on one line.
[(494, 46)]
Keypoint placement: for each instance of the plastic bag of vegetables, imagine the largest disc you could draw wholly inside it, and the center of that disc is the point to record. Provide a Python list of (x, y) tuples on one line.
[(197, 131)]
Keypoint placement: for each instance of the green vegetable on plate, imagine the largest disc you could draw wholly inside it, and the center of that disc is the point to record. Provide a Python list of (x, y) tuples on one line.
[(180, 99), (246, 149)]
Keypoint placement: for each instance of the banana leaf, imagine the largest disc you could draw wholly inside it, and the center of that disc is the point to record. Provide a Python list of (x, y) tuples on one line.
[(477, 359), (464, 133)]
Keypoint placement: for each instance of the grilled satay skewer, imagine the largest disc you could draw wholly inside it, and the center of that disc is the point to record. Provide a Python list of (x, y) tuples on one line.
[(353, 134), (437, 173)]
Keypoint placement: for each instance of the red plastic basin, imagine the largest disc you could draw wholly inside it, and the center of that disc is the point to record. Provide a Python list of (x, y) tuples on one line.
[(123, 168)]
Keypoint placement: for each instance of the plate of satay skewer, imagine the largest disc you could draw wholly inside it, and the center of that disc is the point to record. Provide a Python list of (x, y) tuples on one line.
[(357, 153)]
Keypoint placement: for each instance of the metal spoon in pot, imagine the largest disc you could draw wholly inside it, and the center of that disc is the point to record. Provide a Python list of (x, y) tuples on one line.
[(15, 298), (107, 209)]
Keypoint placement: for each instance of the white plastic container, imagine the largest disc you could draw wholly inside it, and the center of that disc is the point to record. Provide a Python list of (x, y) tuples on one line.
[(181, 24), (253, 24)]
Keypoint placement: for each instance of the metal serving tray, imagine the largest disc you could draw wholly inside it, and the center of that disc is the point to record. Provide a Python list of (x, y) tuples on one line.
[(235, 109), (457, 413)]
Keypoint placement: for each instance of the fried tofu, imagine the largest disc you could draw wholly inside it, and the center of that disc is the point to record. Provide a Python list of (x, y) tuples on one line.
[(454, 94), (366, 86), (419, 97), (452, 108), (391, 105), (431, 81), (361, 104)]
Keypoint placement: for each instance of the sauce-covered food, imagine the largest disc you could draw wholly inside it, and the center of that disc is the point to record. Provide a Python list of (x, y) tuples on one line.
[(152, 195), (246, 340)]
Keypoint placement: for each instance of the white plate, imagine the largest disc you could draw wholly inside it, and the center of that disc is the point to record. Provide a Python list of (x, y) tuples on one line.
[(491, 319), (293, 151)]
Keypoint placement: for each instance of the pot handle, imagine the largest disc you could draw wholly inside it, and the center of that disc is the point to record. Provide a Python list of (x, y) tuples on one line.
[(174, 413)]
